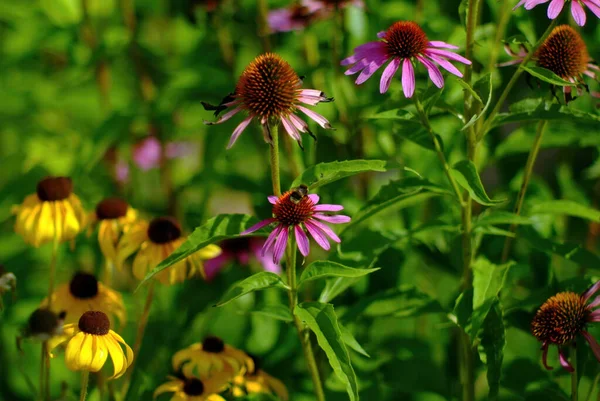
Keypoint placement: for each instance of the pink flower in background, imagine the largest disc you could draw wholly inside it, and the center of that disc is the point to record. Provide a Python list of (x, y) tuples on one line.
[(241, 250), (300, 15), (403, 43), (556, 6), (147, 153), (296, 211)]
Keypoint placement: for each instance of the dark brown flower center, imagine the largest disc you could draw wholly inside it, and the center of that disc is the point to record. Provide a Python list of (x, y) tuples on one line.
[(163, 230), (292, 209), (43, 321), (111, 208), (564, 53), (94, 322), (267, 87), (54, 188), (560, 319), (193, 387), (405, 39), (83, 286), (213, 344)]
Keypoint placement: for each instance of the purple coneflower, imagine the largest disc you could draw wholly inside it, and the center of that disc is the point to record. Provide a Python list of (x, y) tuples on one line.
[(562, 318), (269, 91), (300, 15), (402, 43), (564, 53), (556, 6), (296, 211), (240, 250)]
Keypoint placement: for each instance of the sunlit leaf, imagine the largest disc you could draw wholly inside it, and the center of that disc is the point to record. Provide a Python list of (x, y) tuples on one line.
[(351, 342), (566, 207), (256, 282), (326, 173), (323, 269), (547, 76), (465, 174), (277, 312), (484, 86)]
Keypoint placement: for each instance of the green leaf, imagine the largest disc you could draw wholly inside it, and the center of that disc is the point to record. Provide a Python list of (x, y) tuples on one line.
[(223, 226), (351, 342), (63, 12), (484, 86), (570, 208), (465, 174), (277, 312), (493, 341), (322, 320), (528, 111), (394, 114), (256, 282), (500, 217), (326, 173), (334, 287), (417, 135), (323, 268), (547, 76), (470, 89)]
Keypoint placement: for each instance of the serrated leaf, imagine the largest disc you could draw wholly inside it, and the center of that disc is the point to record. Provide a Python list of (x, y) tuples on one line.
[(323, 268), (465, 174), (322, 320), (256, 282), (277, 312), (493, 341), (351, 342), (485, 86), (223, 226), (547, 76), (326, 173), (566, 207)]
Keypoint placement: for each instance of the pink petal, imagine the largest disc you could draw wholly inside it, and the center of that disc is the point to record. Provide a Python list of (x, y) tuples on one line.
[(214, 265), (258, 226), (545, 357), (361, 65), (591, 291), (318, 235), (314, 198), (593, 6), (555, 8), (445, 64), (311, 92), (508, 63), (593, 344), (449, 55), (325, 228), (302, 240), (227, 116), (290, 129), (370, 70), (238, 131), (300, 124), (437, 43), (271, 240), (594, 316), (578, 13), (338, 219), (529, 4), (434, 73), (319, 119), (564, 361), (272, 199), (388, 74), (381, 35), (408, 78), (280, 244), (594, 303), (367, 50), (328, 208)]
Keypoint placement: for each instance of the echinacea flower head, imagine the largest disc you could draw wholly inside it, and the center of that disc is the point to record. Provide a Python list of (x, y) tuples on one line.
[(294, 212), (403, 44), (113, 216), (211, 356), (194, 388), (270, 92), (53, 213), (241, 250), (258, 382), (84, 293), (563, 318), (154, 242), (91, 341), (556, 7), (301, 14)]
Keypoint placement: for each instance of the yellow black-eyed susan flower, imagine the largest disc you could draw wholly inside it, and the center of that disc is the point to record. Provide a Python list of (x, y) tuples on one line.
[(193, 388), (562, 319), (54, 212), (91, 341), (113, 216), (43, 324), (211, 356), (154, 242), (258, 381), (84, 293)]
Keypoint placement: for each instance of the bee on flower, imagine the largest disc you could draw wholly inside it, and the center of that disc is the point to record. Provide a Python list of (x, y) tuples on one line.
[(188, 388), (556, 7), (43, 325)]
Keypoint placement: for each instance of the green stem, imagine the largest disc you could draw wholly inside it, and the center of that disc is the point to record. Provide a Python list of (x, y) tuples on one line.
[(490, 119), (85, 377), (593, 387), (574, 381), (43, 372), (539, 133), (274, 152), (438, 148), (503, 19)]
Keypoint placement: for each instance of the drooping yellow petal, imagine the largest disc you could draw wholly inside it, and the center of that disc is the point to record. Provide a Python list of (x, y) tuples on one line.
[(168, 387), (87, 352), (100, 354), (106, 239), (73, 350), (140, 263), (59, 219), (215, 397), (116, 355), (128, 350), (277, 386)]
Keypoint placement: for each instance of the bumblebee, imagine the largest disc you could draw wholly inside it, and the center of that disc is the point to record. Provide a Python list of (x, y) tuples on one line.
[(298, 193)]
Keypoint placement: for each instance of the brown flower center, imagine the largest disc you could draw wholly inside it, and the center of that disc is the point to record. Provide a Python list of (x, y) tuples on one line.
[(564, 53), (193, 387), (293, 208), (111, 208), (163, 230), (267, 87), (560, 319), (213, 344), (43, 321), (54, 188), (405, 39), (94, 322), (83, 286)]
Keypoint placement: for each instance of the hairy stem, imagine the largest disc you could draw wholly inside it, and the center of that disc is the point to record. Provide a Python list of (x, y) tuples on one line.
[(85, 378), (533, 153), (274, 153)]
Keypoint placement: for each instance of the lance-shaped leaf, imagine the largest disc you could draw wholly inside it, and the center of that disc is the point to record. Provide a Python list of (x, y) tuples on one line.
[(493, 341), (276, 311), (547, 76), (465, 174), (326, 173), (351, 342), (256, 282), (566, 207), (484, 86), (323, 269)]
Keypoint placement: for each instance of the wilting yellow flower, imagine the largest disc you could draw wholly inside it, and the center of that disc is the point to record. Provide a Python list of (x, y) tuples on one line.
[(44, 325), (211, 356), (258, 381), (113, 216), (52, 213), (194, 389), (91, 341), (84, 293), (154, 242)]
